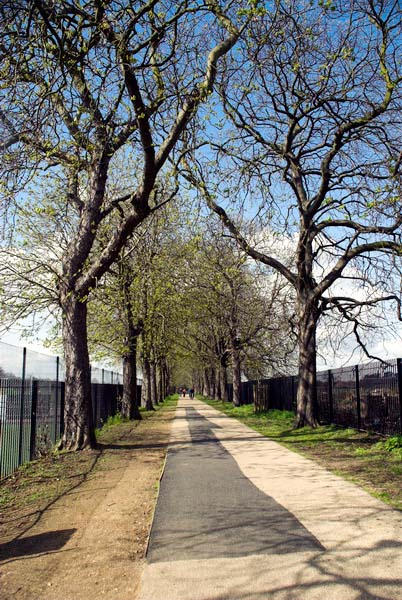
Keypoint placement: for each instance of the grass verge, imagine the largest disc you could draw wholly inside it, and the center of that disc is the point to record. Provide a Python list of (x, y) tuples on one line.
[(362, 457)]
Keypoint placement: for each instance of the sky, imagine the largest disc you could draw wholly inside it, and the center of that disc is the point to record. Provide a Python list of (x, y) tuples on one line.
[(41, 361), (346, 354)]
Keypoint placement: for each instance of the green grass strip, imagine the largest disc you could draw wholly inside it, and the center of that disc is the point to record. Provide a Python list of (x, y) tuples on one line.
[(358, 456)]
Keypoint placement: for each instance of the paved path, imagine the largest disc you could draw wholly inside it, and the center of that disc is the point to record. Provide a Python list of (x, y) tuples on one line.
[(239, 517)]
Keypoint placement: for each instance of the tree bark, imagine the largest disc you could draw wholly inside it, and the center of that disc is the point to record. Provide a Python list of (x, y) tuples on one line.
[(236, 373), (159, 381), (166, 371), (154, 386), (307, 386), (130, 401), (218, 394), (78, 418), (223, 380), (205, 383), (212, 383), (146, 383)]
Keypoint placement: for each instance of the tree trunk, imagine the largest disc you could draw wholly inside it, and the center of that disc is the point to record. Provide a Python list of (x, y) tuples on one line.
[(78, 419), (154, 387), (199, 383), (212, 383), (146, 382), (223, 378), (130, 401), (236, 374), (307, 387), (166, 371), (159, 381), (205, 383), (218, 393)]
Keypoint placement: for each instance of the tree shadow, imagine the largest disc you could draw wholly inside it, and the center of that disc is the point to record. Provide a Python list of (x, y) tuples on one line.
[(42, 543), (40, 512), (208, 508)]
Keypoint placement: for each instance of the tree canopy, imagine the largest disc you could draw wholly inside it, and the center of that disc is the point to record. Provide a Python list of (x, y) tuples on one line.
[(309, 148), (285, 117)]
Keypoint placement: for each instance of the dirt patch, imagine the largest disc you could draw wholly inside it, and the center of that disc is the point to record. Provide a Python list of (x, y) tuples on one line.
[(76, 526)]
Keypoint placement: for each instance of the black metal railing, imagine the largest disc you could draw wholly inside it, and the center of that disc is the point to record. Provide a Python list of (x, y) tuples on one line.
[(366, 396), (32, 403)]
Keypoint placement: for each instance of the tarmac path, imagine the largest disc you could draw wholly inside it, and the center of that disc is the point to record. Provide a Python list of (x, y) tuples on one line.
[(240, 517)]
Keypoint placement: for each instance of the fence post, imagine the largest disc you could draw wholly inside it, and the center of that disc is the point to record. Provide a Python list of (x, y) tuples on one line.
[(56, 417), (330, 397), (95, 403), (34, 405), (359, 417), (399, 367), (22, 398), (62, 396), (293, 391)]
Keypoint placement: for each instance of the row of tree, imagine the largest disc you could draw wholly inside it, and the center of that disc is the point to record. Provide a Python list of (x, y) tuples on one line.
[(109, 113), (308, 147), (87, 85)]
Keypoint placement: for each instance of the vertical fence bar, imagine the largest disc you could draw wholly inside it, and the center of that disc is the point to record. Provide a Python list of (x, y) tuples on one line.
[(56, 416), (293, 390), (399, 368), (22, 399), (95, 403), (62, 396), (330, 397), (358, 403), (34, 406)]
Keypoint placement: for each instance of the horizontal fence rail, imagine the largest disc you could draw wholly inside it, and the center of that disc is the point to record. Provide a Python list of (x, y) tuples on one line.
[(366, 396), (32, 403)]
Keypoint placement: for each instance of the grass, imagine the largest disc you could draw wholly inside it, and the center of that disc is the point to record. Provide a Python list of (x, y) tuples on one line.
[(119, 419), (362, 457)]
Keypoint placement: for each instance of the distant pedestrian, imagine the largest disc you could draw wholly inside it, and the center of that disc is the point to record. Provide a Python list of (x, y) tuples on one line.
[(184, 391), (191, 392)]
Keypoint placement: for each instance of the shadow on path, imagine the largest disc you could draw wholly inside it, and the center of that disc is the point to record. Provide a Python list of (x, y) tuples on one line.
[(207, 508)]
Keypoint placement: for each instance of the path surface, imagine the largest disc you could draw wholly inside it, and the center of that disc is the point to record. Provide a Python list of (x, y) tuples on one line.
[(239, 517), (89, 542)]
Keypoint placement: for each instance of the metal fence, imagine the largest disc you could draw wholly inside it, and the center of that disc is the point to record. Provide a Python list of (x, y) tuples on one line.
[(32, 403), (366, 396)]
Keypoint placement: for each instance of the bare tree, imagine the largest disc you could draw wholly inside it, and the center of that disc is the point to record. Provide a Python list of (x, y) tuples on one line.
[(314, 104), (83, 84)]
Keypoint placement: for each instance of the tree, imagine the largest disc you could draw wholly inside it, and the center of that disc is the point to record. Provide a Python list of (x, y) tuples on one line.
[(314, 103), (135, 302), (84, 84), (160, 256), (30, 266), (233, 318), (114, 325)]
